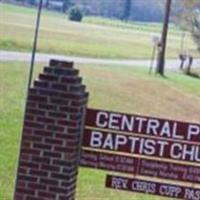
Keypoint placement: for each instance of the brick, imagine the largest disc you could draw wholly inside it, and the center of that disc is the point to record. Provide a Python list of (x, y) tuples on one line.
[(48, 107), (32, 198), (57, 115), (27, 131), (77, 104), (42, 146), (75, 96), (32, 138), (57, 190), (47, 77), (58, 86), (62, 163), (61, 135), (22, 170), (48, 92), (32, 91), (49, 167), (48, 70), (61, 71), (42, 160), (41, 84), (76, 117), (73, 136), (70, 156), (21, 184), (27, 178), (45, 120), (31, 104), (38, 173), (48, 195), (65, 149), (25, 191), (54, 141), (72, 171), (68, 123), (69, 109), (25, 156), (80, 88), (52, 154), (37, 186), (59, 101), (55, 63), (29, 165), (48, 181), (26, 144), (60, 176), (68, 182), (55, 128), (31, 124), (70, 80), (65, 71), (72, 143), (74, 130), (30, 117), (43, 133), (37, 98), (19, 196), (35, 111), (30, 151)]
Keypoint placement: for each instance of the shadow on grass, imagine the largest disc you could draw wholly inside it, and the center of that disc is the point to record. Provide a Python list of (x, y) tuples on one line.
[(193, 75)]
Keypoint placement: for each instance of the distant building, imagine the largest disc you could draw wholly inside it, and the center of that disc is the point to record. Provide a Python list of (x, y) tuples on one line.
[(52, 4)]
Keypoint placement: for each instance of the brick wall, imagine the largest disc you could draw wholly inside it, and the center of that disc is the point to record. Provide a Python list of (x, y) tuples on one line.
[(52, 133)]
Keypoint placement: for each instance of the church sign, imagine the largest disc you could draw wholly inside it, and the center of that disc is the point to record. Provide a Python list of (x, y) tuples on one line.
[(154, 151)]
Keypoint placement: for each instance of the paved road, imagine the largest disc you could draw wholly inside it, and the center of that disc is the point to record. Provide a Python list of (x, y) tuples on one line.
[(19, 56)]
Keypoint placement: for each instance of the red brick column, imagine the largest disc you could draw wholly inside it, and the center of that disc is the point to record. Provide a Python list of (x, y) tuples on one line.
[(52, 134)]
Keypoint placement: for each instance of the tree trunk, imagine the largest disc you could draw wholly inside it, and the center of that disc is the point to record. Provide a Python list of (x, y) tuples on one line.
[(127, 10), (161, 54)]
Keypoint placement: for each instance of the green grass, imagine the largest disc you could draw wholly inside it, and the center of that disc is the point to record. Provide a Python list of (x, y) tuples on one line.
[(117, 88), (95, 37), (153, 27)]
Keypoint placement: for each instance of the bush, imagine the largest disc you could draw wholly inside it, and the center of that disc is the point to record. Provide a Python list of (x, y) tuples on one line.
[(75, 14)]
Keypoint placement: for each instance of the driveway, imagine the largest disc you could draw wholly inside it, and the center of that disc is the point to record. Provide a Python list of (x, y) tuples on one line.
[(40, 57)]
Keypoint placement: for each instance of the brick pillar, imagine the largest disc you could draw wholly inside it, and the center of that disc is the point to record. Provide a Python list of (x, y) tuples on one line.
[(52, 134)]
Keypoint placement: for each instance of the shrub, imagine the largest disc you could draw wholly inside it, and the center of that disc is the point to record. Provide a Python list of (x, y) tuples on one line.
[(75, 14)]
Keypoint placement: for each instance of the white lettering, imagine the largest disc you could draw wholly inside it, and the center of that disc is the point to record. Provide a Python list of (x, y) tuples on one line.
[(192, 131), (96, 139)]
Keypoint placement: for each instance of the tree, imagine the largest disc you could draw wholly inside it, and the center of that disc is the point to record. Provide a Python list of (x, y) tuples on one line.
[(188, 18), (75, 14), (127, 9), (66, 5), (161, 54)]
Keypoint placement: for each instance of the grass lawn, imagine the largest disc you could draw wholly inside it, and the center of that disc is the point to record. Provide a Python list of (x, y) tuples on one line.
[(95, 37), (117, 88)]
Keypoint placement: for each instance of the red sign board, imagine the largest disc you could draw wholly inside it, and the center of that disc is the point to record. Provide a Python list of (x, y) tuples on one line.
[(143, 146), (151, 187), (143, 125), (142, 167)]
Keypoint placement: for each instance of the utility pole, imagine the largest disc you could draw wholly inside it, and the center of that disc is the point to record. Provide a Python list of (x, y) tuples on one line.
[(161, 54), (31, 66), (34, 49)]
